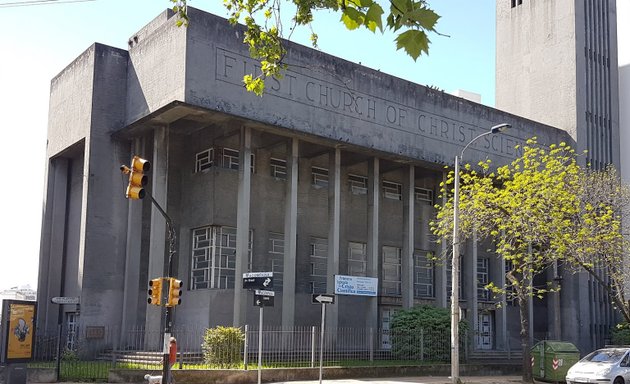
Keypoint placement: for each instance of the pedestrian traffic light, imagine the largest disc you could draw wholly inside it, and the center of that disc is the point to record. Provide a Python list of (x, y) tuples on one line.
[(155, 291), (137, 178), (174, 292)]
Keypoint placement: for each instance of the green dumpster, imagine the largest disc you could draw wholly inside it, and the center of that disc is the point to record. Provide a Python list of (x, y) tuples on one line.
[(552, 359)]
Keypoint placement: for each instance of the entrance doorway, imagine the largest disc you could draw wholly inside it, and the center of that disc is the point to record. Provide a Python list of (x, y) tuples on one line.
[(485, 330)]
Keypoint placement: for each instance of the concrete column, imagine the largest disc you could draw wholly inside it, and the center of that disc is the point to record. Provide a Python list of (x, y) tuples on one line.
[(441, 298), (474, 300), (132, 257), (408, 237), (334, 228), (290, 235), (373, 245), (242, 225), (53, 243), (157, 243)]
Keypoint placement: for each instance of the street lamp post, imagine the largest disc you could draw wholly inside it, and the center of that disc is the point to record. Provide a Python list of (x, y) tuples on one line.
[(455, 261)]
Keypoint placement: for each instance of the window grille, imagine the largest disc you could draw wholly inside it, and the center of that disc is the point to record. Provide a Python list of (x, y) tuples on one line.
[(357, 259), (276, 255), (319, 176), (482, 279), (204, 160), (278, 168), (392, 190), (230, 159), (391, 271), (213, 261), (423, 274), (358, 184), (72, 325), (318, 259), (424, 195)]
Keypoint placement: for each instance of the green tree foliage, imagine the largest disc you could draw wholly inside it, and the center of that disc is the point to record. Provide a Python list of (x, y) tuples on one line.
[(426, 326), (222, 346), (411, 20), (620, 335), (534, 212)]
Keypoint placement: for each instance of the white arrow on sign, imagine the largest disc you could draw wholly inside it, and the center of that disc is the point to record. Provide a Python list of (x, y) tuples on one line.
[(325, 299), (266, 282)]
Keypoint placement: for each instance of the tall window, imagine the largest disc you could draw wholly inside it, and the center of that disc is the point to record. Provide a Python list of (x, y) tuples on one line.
[(482, 279), (319, 176), (72, 326), (318, 256), (278, 168), (392, 190), (358, 184), (357, 259), (276, 255), (423, 274), (391, 271), (214, 257)]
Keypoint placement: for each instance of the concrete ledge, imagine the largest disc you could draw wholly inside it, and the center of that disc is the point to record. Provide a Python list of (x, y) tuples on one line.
[(233, 376)]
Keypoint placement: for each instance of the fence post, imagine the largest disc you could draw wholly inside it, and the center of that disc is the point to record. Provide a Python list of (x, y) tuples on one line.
[(371, 343), (466, 334), (421, 344), (313, 347), (245, 348)]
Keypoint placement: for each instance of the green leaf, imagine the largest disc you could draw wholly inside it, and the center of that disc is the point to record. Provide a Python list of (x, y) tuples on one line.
[(352, 18), (373, 17), (414, 42), (425, 17)]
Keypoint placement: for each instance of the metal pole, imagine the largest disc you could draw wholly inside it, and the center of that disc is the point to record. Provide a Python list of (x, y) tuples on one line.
[(313, 347), (260, 325), (58, 357), (246, 347), (321, 343), (455, 282)]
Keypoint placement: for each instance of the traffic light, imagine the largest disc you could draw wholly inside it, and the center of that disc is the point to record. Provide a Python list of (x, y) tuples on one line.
[(137, 178), (155, 291), (174, 292)]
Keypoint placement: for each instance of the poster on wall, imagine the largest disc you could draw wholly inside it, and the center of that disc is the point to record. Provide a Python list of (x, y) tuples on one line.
[(18, 331)]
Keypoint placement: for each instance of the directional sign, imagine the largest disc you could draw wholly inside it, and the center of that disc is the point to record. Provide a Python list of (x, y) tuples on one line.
[(263, 298), (320, 298), (258, 280), (65, 300)]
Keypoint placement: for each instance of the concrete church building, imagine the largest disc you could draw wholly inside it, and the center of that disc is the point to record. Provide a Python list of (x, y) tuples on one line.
[(334, 171)]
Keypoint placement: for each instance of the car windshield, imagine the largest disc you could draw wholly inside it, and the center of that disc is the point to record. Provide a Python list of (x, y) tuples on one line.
[(606, 356)]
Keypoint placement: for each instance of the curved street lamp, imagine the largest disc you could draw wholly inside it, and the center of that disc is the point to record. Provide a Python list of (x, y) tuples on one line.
[(455, 261)]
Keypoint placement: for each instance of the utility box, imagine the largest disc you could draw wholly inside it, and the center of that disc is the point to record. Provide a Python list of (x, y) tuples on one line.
[(552, 359)]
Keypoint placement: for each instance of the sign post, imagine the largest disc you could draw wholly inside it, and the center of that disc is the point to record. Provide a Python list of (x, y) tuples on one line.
[(322, 299), (260, 283)]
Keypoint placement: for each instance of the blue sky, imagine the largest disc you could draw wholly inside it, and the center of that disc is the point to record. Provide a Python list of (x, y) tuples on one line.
[(37, 42)]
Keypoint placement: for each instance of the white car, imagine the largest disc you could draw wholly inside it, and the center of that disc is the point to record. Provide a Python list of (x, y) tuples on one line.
[(605, 366)]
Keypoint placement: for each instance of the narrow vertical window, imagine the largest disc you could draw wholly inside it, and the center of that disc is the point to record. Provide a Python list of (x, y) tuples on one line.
[(276, 255), (318, 259), (391, 271), (357, 259), (423, 274)]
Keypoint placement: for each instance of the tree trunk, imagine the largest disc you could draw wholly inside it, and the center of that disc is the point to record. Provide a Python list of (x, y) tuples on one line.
[(524, 313)]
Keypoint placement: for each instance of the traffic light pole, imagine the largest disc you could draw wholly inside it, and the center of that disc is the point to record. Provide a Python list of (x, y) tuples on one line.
[(168, 316)]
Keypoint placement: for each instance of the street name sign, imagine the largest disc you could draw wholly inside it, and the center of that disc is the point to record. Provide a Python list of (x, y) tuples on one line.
[(258, 280), (65, 300), (321, 298), (263, 298), (356, 285)]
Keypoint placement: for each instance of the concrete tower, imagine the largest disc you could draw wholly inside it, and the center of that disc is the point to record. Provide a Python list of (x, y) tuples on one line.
[(556, 63)]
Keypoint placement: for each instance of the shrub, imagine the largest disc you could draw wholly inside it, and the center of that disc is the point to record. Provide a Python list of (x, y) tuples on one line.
[(423, 333), (222, 346), (620, 334)]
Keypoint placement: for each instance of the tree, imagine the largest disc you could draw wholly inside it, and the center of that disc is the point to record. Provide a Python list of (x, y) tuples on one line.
[(601, 242), (410, 19), (527, 209)]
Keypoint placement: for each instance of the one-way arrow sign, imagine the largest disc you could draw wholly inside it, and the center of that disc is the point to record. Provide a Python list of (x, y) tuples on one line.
[(321, 298), (263, 298)]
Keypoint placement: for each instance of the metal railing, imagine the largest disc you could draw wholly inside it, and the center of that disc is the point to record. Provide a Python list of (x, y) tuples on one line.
[(89, 353)]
